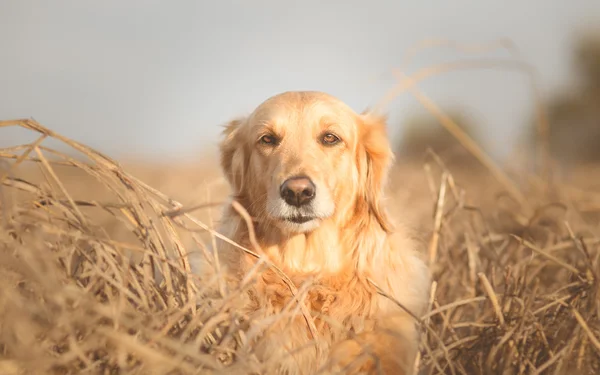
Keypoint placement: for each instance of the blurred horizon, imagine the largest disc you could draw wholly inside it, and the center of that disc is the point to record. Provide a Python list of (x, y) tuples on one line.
[(152, 80)]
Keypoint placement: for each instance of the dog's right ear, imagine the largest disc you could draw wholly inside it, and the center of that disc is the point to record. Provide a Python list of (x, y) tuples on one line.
[(375, 161), (233, 159)]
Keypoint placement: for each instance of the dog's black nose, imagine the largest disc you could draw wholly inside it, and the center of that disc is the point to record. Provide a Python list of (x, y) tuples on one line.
[(298, 191)]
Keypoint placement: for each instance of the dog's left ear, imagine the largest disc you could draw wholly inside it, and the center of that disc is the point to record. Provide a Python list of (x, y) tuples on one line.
[(376, 158), (233, 158)]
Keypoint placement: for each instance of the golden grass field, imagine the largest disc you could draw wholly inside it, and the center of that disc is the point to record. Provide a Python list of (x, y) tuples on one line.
[(93, 278)]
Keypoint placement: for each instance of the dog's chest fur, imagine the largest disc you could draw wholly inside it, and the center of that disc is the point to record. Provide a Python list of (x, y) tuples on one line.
[(340, 305)]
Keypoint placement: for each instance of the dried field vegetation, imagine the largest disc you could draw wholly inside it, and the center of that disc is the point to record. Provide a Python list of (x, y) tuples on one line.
[(94, 278)]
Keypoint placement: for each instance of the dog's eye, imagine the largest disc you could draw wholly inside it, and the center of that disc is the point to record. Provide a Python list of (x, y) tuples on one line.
[(268, 139), (330, 139)]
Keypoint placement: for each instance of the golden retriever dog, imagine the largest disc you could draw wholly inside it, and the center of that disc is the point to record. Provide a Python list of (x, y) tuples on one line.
[(310, 172)]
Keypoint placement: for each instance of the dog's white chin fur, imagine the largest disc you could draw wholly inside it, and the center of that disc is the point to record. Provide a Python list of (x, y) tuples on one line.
[(291, 227)]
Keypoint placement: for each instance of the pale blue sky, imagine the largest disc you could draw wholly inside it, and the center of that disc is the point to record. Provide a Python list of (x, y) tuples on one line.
[(160, 77)]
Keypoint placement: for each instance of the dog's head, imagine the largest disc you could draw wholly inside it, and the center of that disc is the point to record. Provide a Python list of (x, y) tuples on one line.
[(305, 157)]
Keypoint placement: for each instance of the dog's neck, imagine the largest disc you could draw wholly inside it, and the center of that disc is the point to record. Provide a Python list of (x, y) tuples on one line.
[(329, 249), (317, 251)]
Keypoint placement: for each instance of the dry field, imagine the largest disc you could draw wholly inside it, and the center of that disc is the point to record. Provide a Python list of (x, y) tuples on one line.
[(93, 277)]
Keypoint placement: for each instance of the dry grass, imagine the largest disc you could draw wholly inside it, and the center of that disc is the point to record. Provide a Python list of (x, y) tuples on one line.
[(94, 277), (515, 285)]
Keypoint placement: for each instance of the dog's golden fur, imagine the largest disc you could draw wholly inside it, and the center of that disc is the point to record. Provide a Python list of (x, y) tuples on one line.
[(345, 245)]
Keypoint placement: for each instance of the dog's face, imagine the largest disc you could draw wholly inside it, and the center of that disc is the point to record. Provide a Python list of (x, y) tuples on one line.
[(304, 157)]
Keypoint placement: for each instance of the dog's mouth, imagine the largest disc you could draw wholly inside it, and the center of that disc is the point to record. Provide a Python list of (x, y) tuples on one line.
[(299, 219)]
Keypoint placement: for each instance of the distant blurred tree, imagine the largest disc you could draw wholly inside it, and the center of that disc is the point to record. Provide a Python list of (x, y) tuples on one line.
[(424, 131), (587, 60), (574, 116)]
